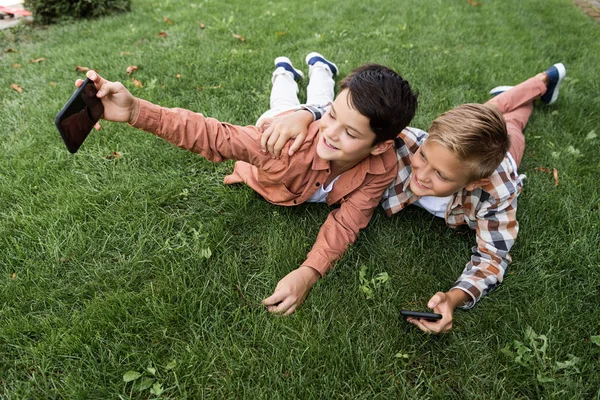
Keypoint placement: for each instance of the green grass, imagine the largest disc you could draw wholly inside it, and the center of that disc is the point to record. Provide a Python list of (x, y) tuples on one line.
[(107, 254)]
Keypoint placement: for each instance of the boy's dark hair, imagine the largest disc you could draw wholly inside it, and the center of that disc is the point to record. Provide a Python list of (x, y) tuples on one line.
[(381, 95)]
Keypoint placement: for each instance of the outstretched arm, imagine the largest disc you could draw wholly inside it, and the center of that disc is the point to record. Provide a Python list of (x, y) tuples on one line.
[(208, 137)]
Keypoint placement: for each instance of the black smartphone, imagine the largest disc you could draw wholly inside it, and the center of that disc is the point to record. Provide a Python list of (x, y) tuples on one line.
[(425, 315), (77, 118)]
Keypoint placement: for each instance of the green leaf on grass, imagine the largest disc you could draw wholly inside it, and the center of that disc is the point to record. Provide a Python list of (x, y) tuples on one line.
[(171, 365), (570, 363), (544, 379), (143, 384), (591, 135), (595, 339), (574, 151), (151, 370), (362, 275), (206, 252), (367, 291), (380, 278), (157, 389), (131, 376)]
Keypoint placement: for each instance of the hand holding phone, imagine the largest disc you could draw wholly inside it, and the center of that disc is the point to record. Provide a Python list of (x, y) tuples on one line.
[(424, 315), (79, 115)]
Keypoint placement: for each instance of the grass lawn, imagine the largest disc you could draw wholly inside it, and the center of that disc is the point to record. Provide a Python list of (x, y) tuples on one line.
[(148, 263)]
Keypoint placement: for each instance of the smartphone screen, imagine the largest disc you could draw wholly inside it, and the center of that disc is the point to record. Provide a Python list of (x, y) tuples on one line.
[(77, 118)]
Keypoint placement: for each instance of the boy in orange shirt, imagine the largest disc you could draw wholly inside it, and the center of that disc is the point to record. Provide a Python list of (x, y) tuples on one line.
[(465, 171), (347, 158)]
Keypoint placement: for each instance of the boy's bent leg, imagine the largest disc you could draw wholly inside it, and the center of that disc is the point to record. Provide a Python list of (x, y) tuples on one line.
[(284, 93), (515, 124), (320, 90), (520, 95)]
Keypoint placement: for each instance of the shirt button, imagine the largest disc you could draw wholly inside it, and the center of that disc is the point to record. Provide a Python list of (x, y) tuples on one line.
[(317, 184)]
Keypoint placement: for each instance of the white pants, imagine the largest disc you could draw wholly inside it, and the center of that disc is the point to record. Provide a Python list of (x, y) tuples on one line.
[(284, 93)]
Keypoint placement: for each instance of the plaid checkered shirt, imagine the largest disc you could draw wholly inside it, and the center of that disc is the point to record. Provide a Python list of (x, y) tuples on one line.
[(490, 210)]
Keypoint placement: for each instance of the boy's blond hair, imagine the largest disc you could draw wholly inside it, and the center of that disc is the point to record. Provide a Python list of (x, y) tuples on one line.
[(476, 134)]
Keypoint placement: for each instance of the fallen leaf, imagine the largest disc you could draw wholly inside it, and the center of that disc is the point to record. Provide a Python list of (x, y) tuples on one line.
[(202, 26), (16, 66), (473, 3), (113, 155), (125, 53), (79, 68), (168, 21), (17, 87), (555, 173), (9, 50), (13, 276), (280, 33), (591, 135), (131, 69), (162, 34), (178, 76), (542, 169), (136, 82), (209, 87), (65, 259), (241, 38), (37, 60)]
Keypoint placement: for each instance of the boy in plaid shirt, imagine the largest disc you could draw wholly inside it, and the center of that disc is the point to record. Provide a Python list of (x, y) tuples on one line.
[(465, 171)]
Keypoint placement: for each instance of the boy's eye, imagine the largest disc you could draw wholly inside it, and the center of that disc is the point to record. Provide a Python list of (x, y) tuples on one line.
[(442, 177), (351, 135), (331, 114)]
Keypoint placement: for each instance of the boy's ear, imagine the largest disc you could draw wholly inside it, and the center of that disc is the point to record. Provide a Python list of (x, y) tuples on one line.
[(476, 184), (381, 147)]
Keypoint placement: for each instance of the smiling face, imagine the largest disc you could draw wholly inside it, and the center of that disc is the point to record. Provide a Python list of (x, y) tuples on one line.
[(345, 136), (436, 171)]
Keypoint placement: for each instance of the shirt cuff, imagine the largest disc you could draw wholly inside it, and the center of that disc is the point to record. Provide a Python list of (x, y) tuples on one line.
[(148, 118), (316, 111), (470, 303)]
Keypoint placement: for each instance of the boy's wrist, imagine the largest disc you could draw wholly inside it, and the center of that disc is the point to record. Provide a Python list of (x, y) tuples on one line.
[(135, 111), (457, 298), (311, 274)]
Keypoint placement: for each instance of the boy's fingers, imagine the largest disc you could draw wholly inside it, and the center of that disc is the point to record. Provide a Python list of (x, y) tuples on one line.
[(273, 299), (290, 310), (265, 138), (279, 145), (271, 144), (284, 306), (296, 145), (435, 300), (78, 82), (419, 325)]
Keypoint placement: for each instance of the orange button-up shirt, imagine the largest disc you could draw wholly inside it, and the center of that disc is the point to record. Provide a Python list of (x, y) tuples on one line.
[(286, 181)]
